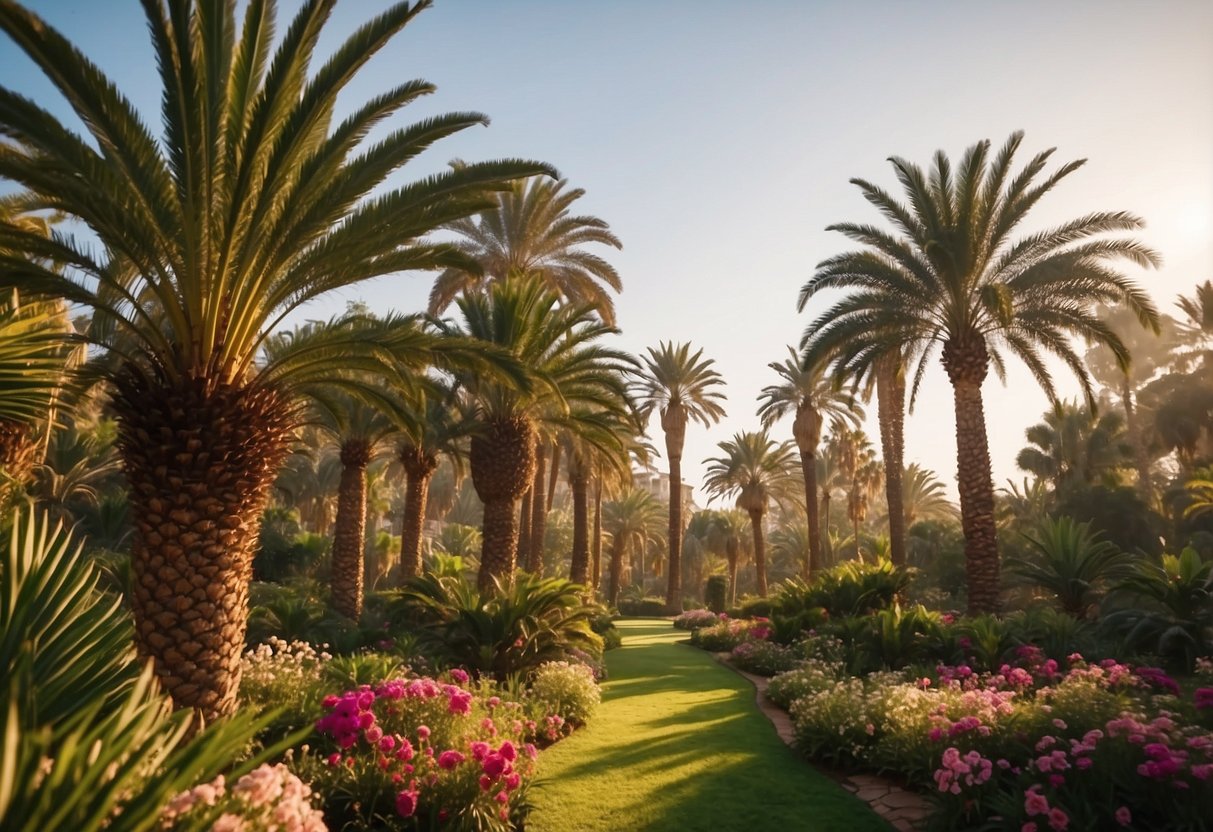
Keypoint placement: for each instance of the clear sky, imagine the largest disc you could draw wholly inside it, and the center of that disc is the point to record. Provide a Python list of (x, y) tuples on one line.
[(717, 139)]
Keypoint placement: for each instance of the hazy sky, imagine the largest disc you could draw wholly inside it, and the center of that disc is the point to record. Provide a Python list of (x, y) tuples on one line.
[(717, 139)]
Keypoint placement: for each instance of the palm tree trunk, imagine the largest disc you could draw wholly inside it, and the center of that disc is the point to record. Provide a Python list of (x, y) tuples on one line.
[(349, 531), (419, 468), (808, 468), (200, 456), (1139, 446), (673, 595), (554, 476), (760, 551), (524, 526), (503, 465), (827, 550), (539, 513), (616, 570), (890, 405), (733, 554), (596, 569), (966, 363), (579, 565)]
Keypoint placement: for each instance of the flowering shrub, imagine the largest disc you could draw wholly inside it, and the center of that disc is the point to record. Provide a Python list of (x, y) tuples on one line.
[(763, 657), (568, 690), (694, 619), (727, 634), (284, 675), (411, 753), (810, 677), (267, 799)]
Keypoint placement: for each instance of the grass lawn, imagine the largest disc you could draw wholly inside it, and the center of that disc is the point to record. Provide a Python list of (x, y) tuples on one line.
[(679, 745)]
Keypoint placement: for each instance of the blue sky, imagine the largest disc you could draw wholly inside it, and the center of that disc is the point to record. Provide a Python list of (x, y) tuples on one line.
[(717, 139)]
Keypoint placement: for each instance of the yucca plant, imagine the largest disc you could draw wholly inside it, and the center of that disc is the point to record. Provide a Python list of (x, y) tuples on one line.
[(89, 741), (254, 201)]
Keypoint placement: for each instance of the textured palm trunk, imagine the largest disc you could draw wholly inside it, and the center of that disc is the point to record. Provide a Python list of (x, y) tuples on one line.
[(349, 529), (616, 576), (967, 362), (419, 467), (1140, 458), (553, 476), (579, 484), (733, 554), (200, 457), (760, 551), (890, 406), (18, 452), (524, 526), (503, 465), (806, 429), (674, 423), (827, 550), (596, 569), (539, 512)]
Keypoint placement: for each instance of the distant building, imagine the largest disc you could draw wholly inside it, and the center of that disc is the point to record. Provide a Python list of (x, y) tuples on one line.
[(658, 484)]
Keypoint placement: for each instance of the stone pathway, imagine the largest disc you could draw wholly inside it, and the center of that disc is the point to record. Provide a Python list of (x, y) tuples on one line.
[(903, 809)]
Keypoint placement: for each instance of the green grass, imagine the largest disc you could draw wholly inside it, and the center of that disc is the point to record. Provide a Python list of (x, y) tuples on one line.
[(678, 744)]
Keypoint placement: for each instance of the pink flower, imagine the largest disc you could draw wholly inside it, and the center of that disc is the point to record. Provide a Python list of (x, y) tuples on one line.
[(405, 752), (502, 797), (1030, 826), (1123, 816), (1058, 820), (1035, 803), (387, 743), (486, 782), (374, 734), (449, 759), (512, 780), (423, 732), (460, 676), (406, 803), (480, 750), (508, 751), (494, 765)]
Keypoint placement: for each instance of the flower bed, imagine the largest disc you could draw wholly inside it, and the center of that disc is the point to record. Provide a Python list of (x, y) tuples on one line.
[(695, 619)]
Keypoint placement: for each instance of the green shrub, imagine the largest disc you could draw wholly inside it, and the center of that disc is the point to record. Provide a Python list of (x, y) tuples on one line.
[(567, 689), (752, 608), (1069, 562), (764, 658), (810, 677), (723, 637), (1172, 608), (715, 593), (851, 588), (649, 606)]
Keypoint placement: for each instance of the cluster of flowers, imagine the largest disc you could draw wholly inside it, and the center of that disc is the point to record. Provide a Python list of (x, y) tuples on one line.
[(727, 633), (432, 749), (694, 619), (765, 658), (568, 690), (267, 799)]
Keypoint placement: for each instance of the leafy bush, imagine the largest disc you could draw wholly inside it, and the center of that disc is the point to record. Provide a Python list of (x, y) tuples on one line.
[(810, 677), (715, 593), (851, 588), (1172, 612), (286, 678), (568, 690), (649, 606), (723, 637), (753, 608), (502, 632), (694, 619), (1071, 563), (764, 658)]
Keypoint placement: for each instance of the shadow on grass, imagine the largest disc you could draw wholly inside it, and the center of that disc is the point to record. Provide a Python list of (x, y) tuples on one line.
[(678, 744)]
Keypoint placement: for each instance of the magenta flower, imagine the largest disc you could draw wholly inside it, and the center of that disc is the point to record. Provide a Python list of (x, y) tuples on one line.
[(1035, 803), (460, 676), (449, 759), (1123, 816), (1058, 820), (406, 803)]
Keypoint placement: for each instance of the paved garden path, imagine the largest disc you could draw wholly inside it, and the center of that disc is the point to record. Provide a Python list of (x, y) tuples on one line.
[(678, 745)]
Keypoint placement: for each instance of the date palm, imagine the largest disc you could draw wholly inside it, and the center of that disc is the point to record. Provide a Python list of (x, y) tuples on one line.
[(756, 470), (631, 521), (597, 439), (529, 231), (1076, 446), (1196, 329), (254, 201), (681, 387), (950, 276), (571, 370), (924, 497), (812, 396)]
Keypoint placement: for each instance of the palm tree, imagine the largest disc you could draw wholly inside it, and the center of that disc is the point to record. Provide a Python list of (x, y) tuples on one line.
[(571, 370), (1076, 446), (865, 481), (630, 520), (955, 279), (309, 480), (529, 231), (757, 470), (253, 203), (681, 387), (830, 478), (924, 497), (812, 396), (1196, 330), (890, 411), (596, 440)]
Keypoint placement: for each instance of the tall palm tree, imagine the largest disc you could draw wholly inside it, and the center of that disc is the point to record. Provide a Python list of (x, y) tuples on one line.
[(681, 387), (1196, 330), (756, 469), (253, 202), (530, 231), (631, 520), (571, 368), (830, 478), (865, 481), (1075, 445), (810, 394), (952, 277), (596, 439), (890, 384)]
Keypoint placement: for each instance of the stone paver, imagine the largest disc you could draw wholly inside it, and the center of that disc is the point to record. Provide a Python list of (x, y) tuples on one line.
[(903, 809)]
